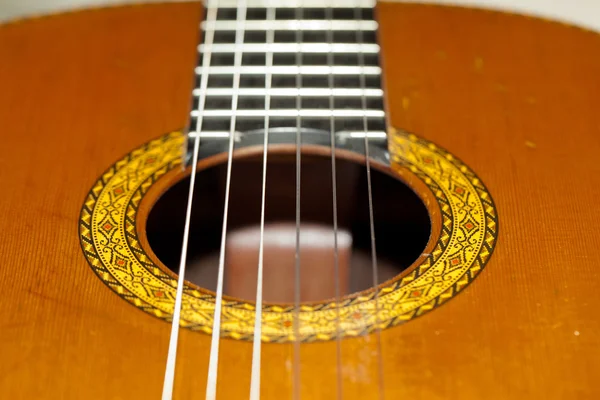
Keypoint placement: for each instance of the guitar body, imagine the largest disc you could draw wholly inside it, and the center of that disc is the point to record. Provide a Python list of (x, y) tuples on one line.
[(515, 98)]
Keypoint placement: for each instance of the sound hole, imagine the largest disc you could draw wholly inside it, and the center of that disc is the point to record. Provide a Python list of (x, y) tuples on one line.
[(402, 228)]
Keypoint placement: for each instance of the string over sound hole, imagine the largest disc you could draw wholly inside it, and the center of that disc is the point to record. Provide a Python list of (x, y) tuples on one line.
[(402, 227)]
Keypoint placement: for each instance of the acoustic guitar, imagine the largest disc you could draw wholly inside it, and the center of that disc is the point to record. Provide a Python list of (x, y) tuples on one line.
[(388, 201)]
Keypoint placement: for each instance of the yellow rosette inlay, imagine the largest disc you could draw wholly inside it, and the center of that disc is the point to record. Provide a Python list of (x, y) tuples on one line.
[(469, 229)]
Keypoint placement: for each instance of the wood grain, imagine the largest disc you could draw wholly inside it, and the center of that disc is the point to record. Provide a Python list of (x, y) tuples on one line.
[(513, 97)]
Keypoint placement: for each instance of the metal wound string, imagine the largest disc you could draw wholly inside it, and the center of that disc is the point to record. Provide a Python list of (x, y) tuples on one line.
[(329, 17), (213, 363), (256, 343), (297, 275), (169, 378), (375, 272)]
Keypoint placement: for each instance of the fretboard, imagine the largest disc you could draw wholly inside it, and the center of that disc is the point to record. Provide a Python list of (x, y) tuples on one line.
[(324, 73)]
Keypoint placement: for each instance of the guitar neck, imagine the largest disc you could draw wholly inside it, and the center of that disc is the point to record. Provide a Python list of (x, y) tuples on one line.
[(314, 67)]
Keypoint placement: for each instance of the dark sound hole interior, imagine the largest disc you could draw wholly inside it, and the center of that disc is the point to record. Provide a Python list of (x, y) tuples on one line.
[(402, 228)]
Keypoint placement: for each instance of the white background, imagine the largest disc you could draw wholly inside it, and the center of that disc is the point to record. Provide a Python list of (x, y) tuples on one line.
[(581, 12)]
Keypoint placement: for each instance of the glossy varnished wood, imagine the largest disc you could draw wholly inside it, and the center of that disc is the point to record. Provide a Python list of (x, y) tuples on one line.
[(513, 97)]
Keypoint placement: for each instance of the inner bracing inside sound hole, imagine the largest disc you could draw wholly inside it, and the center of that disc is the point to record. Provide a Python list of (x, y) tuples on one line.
[(401, 221)]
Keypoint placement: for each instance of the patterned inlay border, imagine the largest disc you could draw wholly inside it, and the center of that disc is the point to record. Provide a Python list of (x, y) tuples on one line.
[(468, 234)]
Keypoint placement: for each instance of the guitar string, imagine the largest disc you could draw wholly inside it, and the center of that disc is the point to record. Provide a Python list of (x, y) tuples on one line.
[(213, 363), (375, 272), (329, 17), (297, 275), (256, 344), (169, 377), (214, 354)]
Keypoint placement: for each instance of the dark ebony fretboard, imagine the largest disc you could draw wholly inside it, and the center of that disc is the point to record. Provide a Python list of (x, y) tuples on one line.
[(325, 63)]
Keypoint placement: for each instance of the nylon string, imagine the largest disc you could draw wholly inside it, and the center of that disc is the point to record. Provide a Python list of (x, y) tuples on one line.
[(213, 363), (297, 274), (329, 17), (169, 377), (375, 272), (256, 344)]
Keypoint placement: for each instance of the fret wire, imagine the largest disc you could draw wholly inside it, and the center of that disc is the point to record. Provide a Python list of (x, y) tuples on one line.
[(290, 70), (323, 48), (292, 92), (292, 25), (305, 112)]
